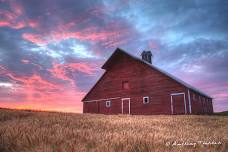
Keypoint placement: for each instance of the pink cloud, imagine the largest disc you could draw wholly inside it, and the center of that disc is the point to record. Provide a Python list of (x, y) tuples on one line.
[(82, 67), (42, 94), (221, 95), (86, 35), (154, 45), (107, 38), (114, 42), (34, 38), (4, 23), (16, 8), (15, 17), (45, 95), (110, 36), (60, 71), (11, 18), (33, 23), (25, 61)]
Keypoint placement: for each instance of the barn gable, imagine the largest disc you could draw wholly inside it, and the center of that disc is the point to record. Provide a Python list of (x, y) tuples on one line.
[(114, 59)]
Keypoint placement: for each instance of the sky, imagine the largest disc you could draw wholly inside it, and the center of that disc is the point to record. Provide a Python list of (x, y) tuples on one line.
[(51, 51)]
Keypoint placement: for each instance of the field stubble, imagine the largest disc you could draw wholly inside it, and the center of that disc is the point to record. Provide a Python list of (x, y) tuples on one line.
[(27, 131)]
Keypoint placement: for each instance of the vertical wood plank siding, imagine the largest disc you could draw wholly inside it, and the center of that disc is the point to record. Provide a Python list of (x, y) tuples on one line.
[(143, 81)]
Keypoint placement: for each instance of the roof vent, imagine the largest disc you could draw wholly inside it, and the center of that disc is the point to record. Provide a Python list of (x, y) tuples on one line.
[(147, 56)]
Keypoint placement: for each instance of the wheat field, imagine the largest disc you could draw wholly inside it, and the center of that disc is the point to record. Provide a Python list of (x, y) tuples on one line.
[(28, 131)]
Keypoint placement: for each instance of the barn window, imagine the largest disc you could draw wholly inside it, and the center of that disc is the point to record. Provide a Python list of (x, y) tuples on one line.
[(108, 104), (125, 85), (146, 100)]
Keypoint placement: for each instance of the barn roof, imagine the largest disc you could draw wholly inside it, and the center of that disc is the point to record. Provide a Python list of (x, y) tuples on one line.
[(121, 51)]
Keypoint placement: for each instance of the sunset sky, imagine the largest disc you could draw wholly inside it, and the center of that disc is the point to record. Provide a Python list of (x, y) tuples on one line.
[(51, 51)]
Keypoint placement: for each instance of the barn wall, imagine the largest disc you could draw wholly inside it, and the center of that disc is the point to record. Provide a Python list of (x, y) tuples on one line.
[(90, 107), (143, 81), (116, 107), (201, 104)]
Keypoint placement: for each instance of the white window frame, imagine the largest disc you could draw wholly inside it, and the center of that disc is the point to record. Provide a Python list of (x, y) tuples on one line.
[(108, 104), (148, 99)]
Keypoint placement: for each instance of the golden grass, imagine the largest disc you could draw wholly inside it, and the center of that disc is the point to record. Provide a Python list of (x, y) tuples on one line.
[(26, 131)]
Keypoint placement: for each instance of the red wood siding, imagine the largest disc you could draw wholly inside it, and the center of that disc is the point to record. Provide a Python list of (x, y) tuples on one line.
[(200, 106), (114, 109), (126, 106), (143, 81), (178, 104), (90, 107)]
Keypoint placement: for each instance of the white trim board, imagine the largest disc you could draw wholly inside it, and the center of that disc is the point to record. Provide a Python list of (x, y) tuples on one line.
[(176, 94), (189, 102), (173, 94), (103, 99), (129, 104)]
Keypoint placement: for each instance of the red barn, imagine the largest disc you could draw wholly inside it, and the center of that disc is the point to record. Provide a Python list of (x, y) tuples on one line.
[(131, 85)]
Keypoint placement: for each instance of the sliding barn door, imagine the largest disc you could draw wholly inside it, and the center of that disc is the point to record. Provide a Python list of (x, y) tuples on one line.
[(178, 103)]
